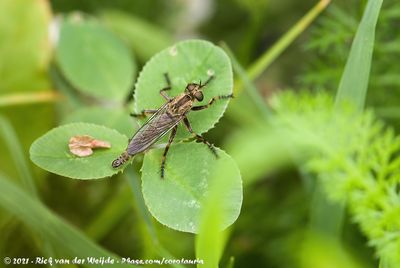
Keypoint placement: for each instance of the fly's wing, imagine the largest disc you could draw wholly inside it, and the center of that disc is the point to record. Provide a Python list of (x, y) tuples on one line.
[(156, 127)]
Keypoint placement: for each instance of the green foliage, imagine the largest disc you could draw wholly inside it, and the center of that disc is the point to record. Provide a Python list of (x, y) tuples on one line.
[(327, 252), (51, 151), (330, 44), (225, 188), (185, 184), (24, 57), (117, 119), (67, 238), (354, 82), (354, 157), (93, 60), (189, 175), (136, 32), (186, 62)]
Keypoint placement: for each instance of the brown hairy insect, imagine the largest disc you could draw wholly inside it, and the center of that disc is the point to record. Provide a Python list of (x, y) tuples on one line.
[(167, 118)]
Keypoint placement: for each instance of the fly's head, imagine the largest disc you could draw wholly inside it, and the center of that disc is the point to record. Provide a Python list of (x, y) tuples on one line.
[(195, 91)]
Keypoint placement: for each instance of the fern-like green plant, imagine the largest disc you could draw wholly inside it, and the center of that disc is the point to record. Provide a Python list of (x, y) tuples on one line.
[(356, 158)]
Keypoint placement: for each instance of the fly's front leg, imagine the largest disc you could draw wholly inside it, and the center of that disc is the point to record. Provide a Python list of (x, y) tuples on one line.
[(202, 107), (199, 137), (164, 157), (144, 113), (168, 87)]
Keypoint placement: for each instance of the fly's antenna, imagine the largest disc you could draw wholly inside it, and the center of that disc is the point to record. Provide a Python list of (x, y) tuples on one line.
[(208, 81)]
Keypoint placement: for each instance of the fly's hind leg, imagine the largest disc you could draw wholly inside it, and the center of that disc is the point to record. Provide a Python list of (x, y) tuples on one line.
[(168, 87), (164, 157), (199, 137), (144, 113)]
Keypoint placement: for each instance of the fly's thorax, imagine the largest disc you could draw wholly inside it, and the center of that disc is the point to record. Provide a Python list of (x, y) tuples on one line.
[(181, 104)]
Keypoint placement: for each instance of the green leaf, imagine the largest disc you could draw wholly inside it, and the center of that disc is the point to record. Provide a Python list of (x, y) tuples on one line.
[(176, 201), (144, 38), (186, 62), (51, 151), (354, 82), (69, 241), (116, 118), (94, 61)]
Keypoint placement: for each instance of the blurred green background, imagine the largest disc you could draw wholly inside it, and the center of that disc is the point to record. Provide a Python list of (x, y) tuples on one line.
[(276, 227)]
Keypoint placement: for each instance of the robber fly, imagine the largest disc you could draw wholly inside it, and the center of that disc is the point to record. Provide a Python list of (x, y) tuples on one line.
[(167, 118)]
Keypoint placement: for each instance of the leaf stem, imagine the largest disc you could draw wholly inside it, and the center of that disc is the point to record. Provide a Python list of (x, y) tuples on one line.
[(271, 54), (29, 97), (248, 85), (133, 180)]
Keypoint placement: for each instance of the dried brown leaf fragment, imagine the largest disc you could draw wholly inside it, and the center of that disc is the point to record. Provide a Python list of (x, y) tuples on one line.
[(82, 145)]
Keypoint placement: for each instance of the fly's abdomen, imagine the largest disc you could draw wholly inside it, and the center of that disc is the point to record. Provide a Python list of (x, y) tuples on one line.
[(121, 160)]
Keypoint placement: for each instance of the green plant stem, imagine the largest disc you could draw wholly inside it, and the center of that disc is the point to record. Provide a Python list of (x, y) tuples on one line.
[(246, 115), (114, 210), (29, 98), (326, 217), (133, 181), (10, 137), (270, 55), (248, 85), (231, 262)]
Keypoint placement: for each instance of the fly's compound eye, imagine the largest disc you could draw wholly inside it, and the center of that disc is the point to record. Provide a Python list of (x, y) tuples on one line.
[(190, 87), (198, 95)]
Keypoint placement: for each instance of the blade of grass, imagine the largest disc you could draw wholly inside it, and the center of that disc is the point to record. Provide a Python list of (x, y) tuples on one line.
[(325, 215), (354, 82), (10, 138), (270, 55), (65, 237), (133, 180)]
